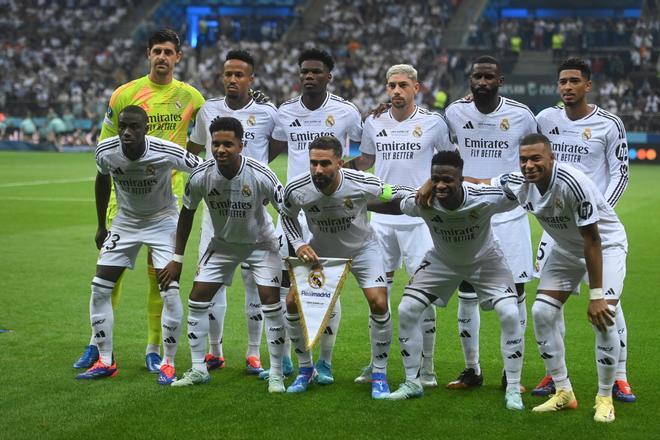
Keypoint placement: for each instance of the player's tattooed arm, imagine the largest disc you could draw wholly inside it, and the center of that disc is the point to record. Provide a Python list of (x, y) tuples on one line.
[(102, 189), (275, 148), (172, 271), (424, 197), (598, 312), (194, 148), (363, 162)]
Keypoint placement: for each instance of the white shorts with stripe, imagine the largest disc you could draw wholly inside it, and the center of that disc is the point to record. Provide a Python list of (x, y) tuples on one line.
[(436, 279), (126, 237), (563, 272), (515, 240), (403, 243), (219, 262)]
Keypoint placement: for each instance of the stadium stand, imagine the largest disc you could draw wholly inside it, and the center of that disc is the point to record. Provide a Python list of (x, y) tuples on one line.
[(63, 67)]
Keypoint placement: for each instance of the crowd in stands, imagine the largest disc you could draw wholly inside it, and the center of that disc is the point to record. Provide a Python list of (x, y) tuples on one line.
[(61, 60)]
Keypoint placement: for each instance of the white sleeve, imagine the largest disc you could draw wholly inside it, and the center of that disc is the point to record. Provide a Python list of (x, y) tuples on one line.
[(289, 218), (442, 138), (355, 126), (193, 194), (200, 129), (101, 166), (616, 155), (586, 206), (409, 207), (367, 143), (187, 162), (279, 133)]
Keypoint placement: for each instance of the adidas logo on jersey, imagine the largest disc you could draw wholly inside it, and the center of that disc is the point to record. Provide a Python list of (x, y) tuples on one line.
[(528, 207), (381, 133), (314, 208), (469, 126), (437, 219), (214, 192), (554, 130), (117, 171), (295, 123)]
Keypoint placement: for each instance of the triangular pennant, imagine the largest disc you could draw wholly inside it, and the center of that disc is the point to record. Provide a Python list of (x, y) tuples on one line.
[(316, 290)]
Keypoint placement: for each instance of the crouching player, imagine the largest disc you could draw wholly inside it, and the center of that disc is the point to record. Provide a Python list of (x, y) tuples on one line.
[(334, 201), (141, 168), (589, 237), (459, 218), (236, 190)]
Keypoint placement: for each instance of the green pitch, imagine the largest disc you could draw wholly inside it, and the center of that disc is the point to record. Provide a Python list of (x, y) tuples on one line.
[(47, 227)]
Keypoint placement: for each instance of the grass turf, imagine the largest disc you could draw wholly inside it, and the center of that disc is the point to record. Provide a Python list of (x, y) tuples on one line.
[(47, 228)]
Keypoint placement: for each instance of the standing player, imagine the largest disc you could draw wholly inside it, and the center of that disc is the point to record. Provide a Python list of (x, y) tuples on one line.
[(141, 168), (402, 143), (593, 141), (589, 238), (335, 204), (258, 120), (236, 190), (313, 114), (464, 248), (488, 130), (171, 106)]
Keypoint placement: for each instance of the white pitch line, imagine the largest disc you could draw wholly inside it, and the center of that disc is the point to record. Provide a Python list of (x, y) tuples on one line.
[(44, 199), (45, 182)]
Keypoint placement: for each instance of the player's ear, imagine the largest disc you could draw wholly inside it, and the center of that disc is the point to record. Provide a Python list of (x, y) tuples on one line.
[(179, 55), (588, 86), (329, 76), (341, 163), (500, 82)]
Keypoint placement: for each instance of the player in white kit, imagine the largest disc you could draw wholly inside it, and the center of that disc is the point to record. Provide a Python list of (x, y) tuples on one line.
[(589, 238), (236, 190), (401, 143), (488, 130), (464, 249), (258, 121), (593, 141), (313, 114), (335, 204), (141, 169)]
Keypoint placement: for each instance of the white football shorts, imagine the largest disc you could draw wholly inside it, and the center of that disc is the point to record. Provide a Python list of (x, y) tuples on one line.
[(403, 243)]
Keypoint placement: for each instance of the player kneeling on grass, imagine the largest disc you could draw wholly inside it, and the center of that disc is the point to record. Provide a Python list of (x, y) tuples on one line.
[(141, 168), (236, 190), (458, 215), (334, 201), (589, 237)]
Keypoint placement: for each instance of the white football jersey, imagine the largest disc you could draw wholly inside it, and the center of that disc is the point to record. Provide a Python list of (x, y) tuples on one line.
[(237, 206), (298, 126), (489, 143), (572, 200), (404, 151), (144, 186), (464, 234), (339, 222), (595, 145), (258, 122)]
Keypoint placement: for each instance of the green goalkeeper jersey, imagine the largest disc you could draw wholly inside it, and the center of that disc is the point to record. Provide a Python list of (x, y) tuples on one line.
[(171, 108)]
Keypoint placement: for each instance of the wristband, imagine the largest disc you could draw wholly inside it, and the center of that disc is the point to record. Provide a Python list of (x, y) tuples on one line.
[(179, 259), (596, 294)]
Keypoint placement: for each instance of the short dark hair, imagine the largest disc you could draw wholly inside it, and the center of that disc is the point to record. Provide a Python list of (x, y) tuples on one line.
[(487, 59), (536, 138), (136, 110), (450, 158), (225, 123), (317, 55), (163, 36), (327, 143), (242, 55), (575, 63)]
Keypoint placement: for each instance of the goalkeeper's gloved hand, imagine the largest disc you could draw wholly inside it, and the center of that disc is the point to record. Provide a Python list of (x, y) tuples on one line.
[(259, 96)]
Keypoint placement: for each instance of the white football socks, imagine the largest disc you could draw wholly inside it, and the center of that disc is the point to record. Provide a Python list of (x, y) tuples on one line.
[(468, 328), (329, 336), (410, 335), (171, 321), (294, 330), (253, 313), (546, 313), (102, 317), (380, 335), (217, 312), (198, 328)]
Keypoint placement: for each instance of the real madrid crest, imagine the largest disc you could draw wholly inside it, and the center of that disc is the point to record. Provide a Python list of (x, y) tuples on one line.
[(330, 121), (417, 131), (251, 120), (586, 134), (504, 124), (348, 204), (246, 191), (150, 170), (177, 104), (474, 215), (316, 279), (559, 204)]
